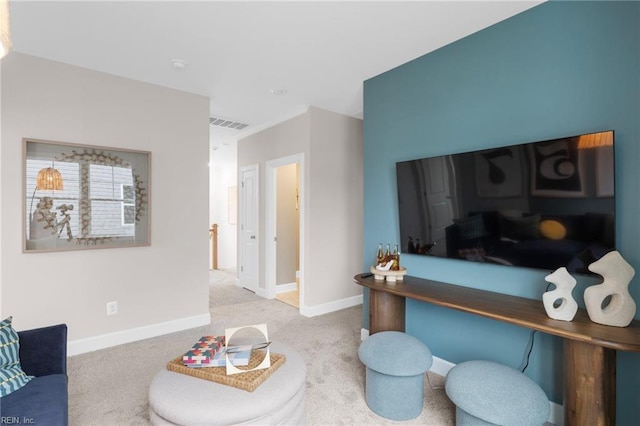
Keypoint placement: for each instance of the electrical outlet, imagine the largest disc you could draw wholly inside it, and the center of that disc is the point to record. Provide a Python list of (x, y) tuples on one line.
[(112, 308)]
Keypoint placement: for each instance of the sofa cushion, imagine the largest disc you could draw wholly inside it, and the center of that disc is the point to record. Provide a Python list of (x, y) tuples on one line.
[(520, 228), (600, 227), (471, 227), (43, 399), (552, 230), (12, 378), (37, 362), (573, 224)]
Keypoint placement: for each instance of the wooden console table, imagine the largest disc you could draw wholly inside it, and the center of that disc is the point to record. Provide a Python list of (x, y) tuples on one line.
[(589, 349)]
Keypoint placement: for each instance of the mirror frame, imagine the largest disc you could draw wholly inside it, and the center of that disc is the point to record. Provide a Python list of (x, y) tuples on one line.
[(44, 222)]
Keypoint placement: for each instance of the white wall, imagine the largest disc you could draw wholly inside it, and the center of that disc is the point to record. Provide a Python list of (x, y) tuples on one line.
[(333, 183), (159, 288), (224, 175), (285, 139), (335, 206)]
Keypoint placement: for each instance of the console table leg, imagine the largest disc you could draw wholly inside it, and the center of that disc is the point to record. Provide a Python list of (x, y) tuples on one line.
[(386, 311), (589, 384)]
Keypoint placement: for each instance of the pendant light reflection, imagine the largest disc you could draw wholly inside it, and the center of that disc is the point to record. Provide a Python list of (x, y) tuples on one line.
[(595, 140), (49, 179)]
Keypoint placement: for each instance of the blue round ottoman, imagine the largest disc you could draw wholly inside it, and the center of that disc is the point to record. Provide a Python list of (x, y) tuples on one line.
[(488, 393), (395, 366)]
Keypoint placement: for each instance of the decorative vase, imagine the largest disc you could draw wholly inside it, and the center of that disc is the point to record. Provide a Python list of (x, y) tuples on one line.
[(564, 283), (617, 274)]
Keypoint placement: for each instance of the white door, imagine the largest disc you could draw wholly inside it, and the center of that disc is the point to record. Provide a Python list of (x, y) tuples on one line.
[(249, 228), (438, 196)]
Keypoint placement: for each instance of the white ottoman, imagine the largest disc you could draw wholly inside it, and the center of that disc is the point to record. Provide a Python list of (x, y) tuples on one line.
[(178, 399)]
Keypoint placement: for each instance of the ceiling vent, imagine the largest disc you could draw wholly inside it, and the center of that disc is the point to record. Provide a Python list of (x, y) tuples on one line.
[(229, 124)]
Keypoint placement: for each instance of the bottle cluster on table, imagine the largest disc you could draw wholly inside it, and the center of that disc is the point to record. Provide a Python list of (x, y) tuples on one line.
[(383, 257)]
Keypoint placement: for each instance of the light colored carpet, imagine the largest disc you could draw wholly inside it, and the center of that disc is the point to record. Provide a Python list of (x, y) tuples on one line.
[(109, 387), (224, 291)]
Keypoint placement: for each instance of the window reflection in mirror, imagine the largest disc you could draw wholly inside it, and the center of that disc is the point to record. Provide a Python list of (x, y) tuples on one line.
[(79, 197)]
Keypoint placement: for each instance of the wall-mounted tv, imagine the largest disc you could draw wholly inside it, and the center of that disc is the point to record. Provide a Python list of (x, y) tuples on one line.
[(543, 204)]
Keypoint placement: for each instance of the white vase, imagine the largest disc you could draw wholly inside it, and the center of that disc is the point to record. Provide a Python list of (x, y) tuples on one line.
[(564, 283), (617, 274)]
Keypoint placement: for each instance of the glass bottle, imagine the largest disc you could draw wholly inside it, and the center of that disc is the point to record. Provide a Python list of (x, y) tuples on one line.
[(396, 259), (379, 255), (411, 248)]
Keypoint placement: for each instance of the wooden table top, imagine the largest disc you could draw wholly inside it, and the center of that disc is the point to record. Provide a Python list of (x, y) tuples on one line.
[(515, 310)]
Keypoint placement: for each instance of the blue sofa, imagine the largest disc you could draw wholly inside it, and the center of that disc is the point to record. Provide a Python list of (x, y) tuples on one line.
[(492, 237), (44, 400)]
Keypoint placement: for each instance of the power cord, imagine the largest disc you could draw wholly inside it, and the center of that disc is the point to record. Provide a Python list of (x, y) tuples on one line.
[(525, 358)]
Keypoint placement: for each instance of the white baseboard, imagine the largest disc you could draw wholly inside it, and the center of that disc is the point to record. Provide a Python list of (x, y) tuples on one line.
[(364, 333), (556, 416), (325, 308), (442, 366), (90, 344), (283, 288)]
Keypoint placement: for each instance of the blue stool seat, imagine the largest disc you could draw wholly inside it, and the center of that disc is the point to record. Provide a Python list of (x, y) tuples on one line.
[(395, 366), (488, 393)]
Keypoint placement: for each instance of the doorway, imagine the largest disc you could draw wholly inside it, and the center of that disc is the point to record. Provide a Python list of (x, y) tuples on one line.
[(284, 220), (248, 270)]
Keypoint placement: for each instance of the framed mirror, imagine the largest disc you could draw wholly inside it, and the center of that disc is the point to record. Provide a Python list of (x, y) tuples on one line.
[(79, 197)]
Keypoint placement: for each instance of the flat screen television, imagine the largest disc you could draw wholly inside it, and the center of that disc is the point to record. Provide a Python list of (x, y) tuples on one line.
[(542, 205)]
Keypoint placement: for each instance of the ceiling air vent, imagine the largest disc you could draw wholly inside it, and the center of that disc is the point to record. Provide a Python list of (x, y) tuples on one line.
[(229, 124)]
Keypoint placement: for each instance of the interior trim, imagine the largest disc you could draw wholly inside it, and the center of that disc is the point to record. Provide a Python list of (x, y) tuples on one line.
[(90, 344)]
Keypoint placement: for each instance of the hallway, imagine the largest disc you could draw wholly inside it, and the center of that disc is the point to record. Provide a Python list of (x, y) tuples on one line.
[(224, 291)]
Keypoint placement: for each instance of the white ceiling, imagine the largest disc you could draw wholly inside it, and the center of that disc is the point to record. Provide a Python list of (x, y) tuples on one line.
[(236, 52)]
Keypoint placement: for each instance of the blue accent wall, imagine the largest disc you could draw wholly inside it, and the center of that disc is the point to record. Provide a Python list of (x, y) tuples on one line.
[(559, 69)]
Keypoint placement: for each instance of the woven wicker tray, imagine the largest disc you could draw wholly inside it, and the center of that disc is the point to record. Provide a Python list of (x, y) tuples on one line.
[(248, 381)]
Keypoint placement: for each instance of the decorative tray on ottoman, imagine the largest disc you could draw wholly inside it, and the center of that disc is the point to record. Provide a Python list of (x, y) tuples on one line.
[(247, 381)]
